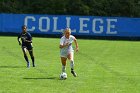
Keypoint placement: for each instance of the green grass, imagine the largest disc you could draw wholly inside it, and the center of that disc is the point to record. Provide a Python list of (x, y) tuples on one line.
[(102, 66)]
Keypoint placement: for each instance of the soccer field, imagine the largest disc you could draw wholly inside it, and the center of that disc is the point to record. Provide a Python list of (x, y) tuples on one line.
[(102, 66)]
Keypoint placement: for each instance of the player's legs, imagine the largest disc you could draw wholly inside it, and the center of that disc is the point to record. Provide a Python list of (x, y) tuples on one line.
[(63, 55), (25, 56), (63, 61), (32, 57), (71, 58), (30, 49)]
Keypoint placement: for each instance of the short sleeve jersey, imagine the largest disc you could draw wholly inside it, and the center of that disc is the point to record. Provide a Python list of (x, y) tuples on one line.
[(65, 40), (26, 36)]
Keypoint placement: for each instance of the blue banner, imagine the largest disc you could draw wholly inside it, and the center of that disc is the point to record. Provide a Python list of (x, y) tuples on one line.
[(80, 25)]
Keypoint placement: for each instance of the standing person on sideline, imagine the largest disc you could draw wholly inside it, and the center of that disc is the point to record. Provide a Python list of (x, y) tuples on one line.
[(26, 39), (66, 50)]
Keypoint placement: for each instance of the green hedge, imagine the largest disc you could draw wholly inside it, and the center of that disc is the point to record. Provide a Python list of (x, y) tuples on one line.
[(127, 8)]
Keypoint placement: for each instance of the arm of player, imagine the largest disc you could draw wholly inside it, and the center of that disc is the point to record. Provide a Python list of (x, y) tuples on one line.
[(76, 44), (19, 40), (64, 45)]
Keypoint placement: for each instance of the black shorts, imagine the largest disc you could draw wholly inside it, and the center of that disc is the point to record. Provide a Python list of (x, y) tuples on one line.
[(28, 47)]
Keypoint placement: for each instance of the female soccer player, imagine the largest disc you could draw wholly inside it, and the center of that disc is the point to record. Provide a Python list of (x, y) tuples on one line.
[(66, 50), (26, 39)]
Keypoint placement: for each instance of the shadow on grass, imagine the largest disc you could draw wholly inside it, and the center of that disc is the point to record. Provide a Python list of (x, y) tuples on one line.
[(37, 78), (12, 66)]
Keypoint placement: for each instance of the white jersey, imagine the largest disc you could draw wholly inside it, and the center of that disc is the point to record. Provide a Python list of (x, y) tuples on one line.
[(64, 41)]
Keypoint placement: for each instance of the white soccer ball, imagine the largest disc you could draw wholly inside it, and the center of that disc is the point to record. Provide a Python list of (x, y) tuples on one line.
[(63, 76)]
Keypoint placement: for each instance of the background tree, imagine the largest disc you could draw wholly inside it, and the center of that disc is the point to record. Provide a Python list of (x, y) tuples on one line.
[(126, 8)]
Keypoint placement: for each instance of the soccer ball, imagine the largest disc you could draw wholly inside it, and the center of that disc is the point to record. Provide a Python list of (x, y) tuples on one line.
[(63, 76)]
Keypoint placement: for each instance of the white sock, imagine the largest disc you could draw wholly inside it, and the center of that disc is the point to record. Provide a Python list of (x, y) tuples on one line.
[(63, 68), (72, 64)]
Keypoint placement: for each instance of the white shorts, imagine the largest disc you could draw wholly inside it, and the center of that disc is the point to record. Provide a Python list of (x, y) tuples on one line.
[(66, 53)]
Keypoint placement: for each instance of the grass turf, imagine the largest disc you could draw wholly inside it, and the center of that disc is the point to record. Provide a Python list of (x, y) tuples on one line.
[(102, 66)]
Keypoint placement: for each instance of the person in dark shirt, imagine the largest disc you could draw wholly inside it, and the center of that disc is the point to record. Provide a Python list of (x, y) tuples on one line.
[(26, 45)]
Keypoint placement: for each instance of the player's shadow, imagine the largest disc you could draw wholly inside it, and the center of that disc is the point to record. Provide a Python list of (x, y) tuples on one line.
[(38, 78), (12, 66)]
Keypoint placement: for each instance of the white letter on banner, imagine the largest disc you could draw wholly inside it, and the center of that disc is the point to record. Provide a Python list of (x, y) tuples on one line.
[(109, 26), (82, 25), (26, 22), (55, 25), (94, 26), (68, 24), (41, 24)]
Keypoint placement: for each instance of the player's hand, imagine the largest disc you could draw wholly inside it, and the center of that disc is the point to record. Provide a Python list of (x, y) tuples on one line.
[(67, 44), (77, 49), (19, 43), (26, 41)]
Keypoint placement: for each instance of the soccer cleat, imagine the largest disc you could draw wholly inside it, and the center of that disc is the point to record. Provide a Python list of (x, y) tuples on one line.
[(28, 64), (74, 74), (33, 65)]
